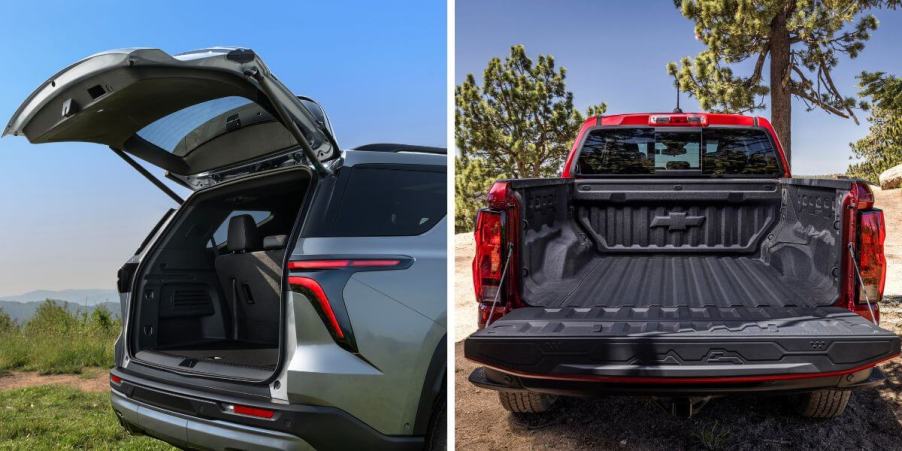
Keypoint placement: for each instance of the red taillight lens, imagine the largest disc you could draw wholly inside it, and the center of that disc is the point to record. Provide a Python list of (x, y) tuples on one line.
[(115, 379), (871, 259), (318, 264), (498, 197), (487, 265), (862, 195), (312, 265), (496, 243), (251, 411), (374, 263), (314, 289)]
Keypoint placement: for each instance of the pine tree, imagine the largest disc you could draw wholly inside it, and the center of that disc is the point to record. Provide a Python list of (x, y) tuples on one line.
[(881, 149), (802, 40), (520, 122), (521, 119)]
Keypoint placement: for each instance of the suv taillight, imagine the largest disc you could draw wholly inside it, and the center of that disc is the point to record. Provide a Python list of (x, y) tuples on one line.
[(496, 239), (865, 233)]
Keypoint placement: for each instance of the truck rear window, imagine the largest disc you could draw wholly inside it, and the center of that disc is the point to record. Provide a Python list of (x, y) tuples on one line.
[(690, 152)]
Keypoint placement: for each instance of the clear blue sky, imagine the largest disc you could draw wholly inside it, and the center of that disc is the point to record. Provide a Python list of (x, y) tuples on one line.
[(616, 52), (71, 214)]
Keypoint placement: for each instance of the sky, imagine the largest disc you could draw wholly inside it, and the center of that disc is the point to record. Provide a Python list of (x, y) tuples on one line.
[(615, 51), (71, 213)]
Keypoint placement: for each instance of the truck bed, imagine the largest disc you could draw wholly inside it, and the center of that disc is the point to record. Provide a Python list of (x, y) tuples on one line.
[(676, 281)]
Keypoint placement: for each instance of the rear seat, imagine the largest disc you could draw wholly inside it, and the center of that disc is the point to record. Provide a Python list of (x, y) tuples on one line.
[(251, 276)]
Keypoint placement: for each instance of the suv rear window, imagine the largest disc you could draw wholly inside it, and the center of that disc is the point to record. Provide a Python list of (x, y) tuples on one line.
[(376, 200), (690, 152)]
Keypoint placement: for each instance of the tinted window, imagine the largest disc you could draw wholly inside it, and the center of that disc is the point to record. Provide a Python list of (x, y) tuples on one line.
[(739, 152), (724, 151), (618, 151), (382, 201)]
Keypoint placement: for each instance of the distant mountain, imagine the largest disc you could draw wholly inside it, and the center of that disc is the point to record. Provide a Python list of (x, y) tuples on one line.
[(82, 297), (21, 312)]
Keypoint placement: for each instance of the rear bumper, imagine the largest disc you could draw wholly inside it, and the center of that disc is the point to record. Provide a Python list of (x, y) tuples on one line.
[(191, 419), (697, 351), (498, 380), (187, 431)]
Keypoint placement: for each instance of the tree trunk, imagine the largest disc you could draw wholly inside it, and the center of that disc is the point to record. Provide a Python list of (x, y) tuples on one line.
[(780, 97)]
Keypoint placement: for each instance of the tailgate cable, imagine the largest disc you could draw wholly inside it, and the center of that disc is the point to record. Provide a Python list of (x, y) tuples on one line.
[(867, 300), (507, 260)]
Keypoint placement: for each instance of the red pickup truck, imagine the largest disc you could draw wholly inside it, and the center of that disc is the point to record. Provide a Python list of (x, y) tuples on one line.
[(676, 257)]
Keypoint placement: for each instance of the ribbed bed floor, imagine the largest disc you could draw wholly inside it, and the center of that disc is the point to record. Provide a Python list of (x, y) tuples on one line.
[(676, 281)]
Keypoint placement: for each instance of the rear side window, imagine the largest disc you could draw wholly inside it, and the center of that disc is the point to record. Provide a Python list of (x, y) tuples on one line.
[(689, 152), (377, 200)]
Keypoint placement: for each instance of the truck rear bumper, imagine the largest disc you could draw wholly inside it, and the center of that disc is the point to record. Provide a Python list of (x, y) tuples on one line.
[(499, 380), (747, 349)]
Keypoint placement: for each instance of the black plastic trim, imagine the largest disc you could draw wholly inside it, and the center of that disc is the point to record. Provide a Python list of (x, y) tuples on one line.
[(433, 386), (390, 147)]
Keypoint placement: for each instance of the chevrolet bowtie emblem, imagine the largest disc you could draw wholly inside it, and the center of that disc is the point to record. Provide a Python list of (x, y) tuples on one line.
[(677, 220)]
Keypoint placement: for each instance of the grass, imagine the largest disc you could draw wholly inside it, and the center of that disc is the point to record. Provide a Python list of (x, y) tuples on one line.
[(58, 417), (57, 341), (713, 436)]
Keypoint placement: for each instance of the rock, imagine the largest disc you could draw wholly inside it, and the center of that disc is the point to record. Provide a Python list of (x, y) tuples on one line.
[(891, 178)]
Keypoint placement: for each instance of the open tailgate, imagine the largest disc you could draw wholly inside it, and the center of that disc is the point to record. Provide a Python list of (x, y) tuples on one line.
[(111, 97), (656, 342)]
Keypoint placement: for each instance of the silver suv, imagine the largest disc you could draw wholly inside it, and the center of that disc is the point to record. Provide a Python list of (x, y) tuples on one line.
[(296, 299)]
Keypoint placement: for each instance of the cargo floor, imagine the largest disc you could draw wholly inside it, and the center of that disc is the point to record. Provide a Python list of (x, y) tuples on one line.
[(679, 281), (262, 358)]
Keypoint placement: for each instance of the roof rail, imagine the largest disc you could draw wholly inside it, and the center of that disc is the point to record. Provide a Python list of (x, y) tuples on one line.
[(388, 147)]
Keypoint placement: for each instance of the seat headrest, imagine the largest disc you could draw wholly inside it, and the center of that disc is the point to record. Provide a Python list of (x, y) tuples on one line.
[(273, 242), (243, 234)]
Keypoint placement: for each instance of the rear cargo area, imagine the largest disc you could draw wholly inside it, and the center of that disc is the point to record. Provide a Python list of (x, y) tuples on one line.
[(208, 296)]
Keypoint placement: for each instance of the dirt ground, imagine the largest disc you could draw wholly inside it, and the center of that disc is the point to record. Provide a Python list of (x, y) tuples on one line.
[(92, 380), (873, 419)]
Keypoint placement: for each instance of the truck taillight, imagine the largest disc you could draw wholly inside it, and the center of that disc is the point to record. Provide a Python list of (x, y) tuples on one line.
[(496, 251), (489, 260), (864, 233), (871, 259)]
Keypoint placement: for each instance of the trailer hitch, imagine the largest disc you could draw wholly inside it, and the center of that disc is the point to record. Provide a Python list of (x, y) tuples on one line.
[(683, 407)]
